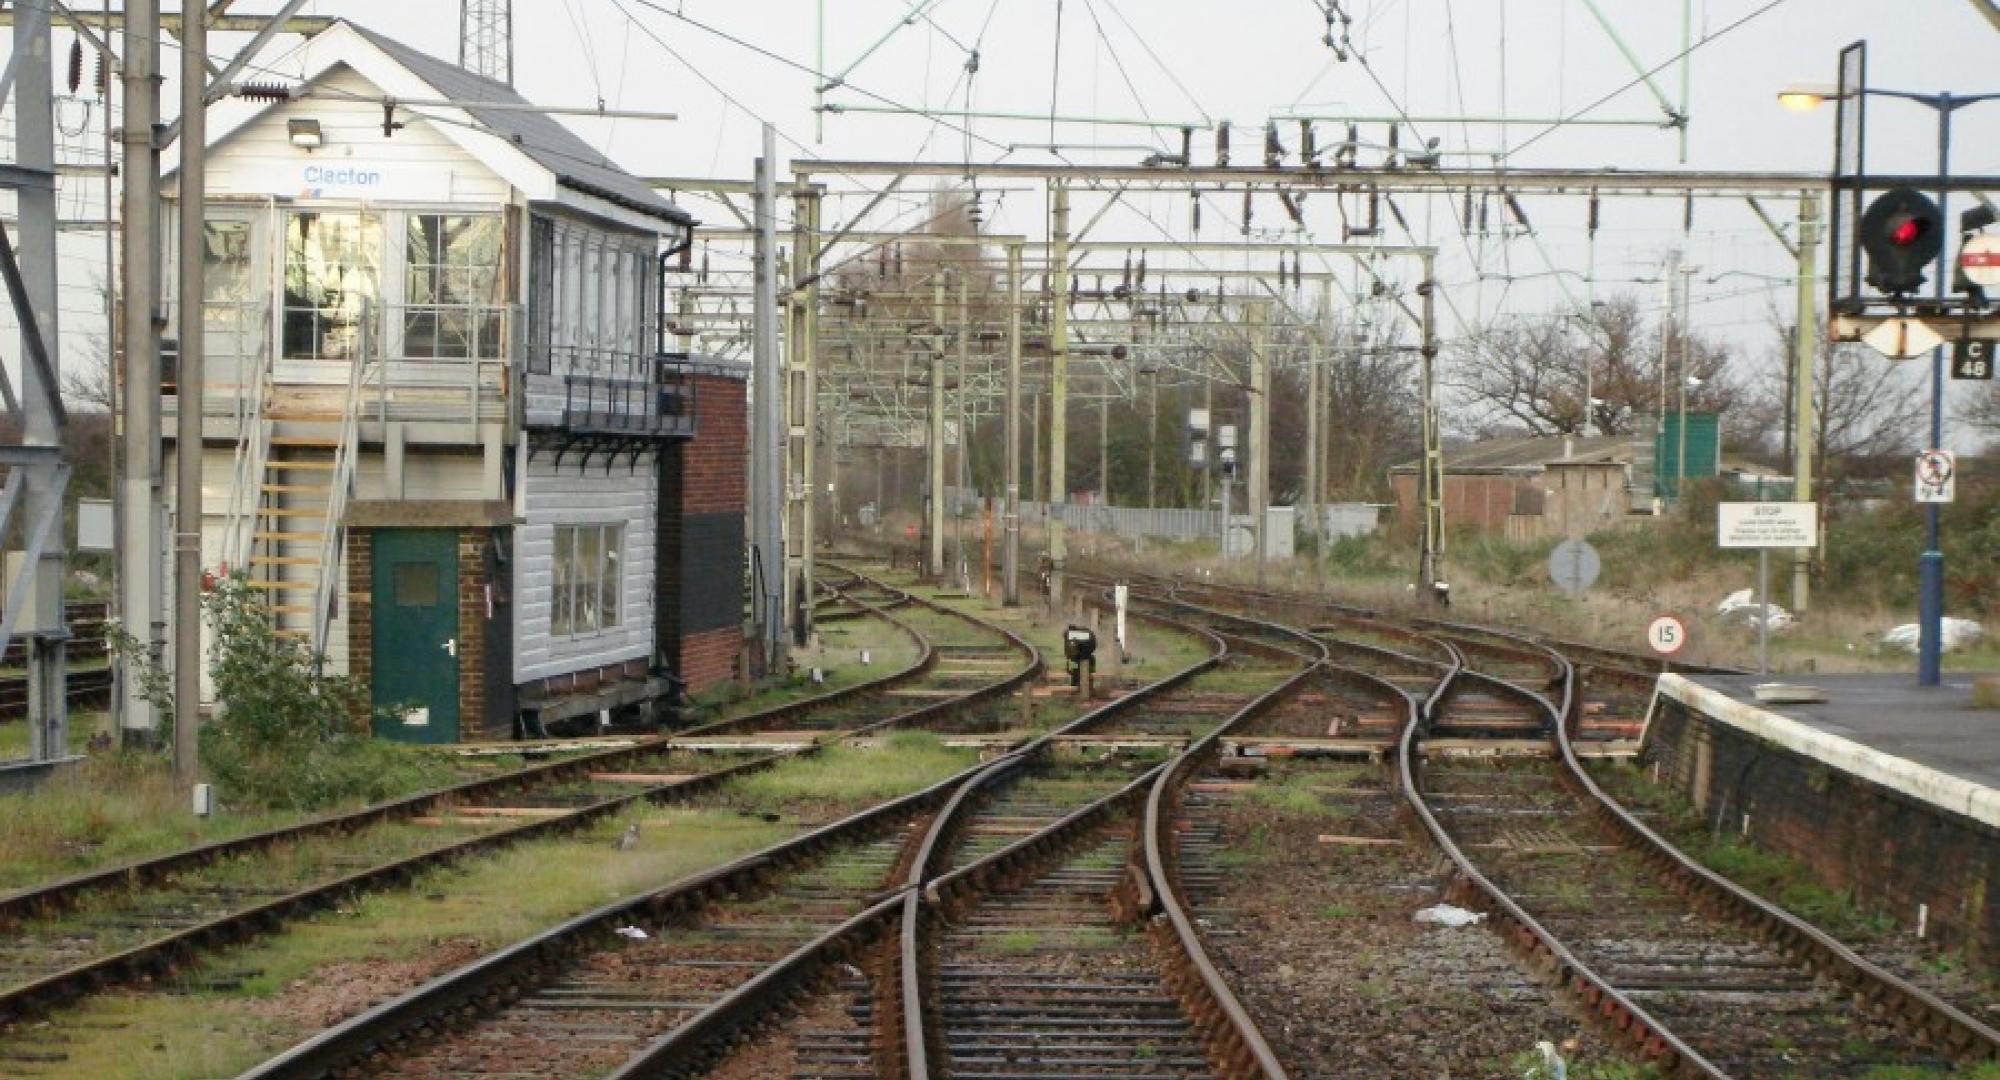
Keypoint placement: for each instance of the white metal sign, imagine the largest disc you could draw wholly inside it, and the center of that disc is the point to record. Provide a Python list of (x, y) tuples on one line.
[(1767, 524), (1120, 596), (1902, 338), (1980, 258), (1937, 476), (1667, 635)]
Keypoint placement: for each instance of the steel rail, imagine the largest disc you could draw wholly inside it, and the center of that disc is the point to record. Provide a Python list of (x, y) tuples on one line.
[(1545, 953), (485, 982), (160, 953), (928, 866), (1912, 1006), (1231, 1034), (60, 894), (695, 1041)]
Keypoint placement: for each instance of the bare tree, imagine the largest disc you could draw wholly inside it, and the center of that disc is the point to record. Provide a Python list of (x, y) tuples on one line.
[(1866, 408), (1532, 374)]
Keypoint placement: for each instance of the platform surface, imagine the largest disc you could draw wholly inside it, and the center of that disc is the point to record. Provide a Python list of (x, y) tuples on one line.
[(1890, 713)]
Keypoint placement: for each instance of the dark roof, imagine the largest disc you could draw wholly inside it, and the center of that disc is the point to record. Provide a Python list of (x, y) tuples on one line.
[(538, 135), (1532, 453)]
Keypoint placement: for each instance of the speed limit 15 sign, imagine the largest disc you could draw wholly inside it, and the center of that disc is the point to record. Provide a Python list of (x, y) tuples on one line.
[(1972, 358)]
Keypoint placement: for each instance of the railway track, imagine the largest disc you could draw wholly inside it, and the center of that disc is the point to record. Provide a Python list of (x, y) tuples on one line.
[(1688, 970), (138, 920), (1693, 971), (818, 930)]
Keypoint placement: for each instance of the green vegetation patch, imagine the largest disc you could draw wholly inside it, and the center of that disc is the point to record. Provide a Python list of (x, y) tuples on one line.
[(238, 1007)]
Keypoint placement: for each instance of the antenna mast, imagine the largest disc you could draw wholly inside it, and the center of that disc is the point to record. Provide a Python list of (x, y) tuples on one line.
[(486, 38)]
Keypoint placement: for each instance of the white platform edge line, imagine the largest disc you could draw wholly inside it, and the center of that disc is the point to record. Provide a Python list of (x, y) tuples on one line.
[(1920, 782)]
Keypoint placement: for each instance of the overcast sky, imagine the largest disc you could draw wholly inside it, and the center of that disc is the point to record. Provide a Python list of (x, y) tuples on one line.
[(1174, 60)]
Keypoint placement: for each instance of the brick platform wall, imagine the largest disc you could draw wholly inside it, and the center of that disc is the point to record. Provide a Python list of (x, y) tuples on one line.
[(703, 491), (1892, 851)]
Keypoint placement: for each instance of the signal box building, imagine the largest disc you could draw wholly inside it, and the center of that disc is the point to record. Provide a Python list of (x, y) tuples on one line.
[(443, 429)]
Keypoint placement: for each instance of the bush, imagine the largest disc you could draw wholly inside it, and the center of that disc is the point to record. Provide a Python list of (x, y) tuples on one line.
[(285, 734)]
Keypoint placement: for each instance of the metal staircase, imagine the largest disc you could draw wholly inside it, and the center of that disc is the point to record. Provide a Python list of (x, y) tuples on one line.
[(294, 471)]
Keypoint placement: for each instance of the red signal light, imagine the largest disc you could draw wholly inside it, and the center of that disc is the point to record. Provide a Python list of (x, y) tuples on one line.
[(1906, 232)]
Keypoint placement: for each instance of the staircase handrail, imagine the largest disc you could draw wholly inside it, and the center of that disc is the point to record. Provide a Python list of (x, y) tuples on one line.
[(344, 454), (253, 442)]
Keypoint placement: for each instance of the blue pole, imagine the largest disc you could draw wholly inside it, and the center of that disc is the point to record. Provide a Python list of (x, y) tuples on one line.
[(1930, 568)]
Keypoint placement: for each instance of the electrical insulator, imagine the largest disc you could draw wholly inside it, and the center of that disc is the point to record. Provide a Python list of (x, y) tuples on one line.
[(263, 92), (1274, 151), (1465, 219), (1141, 279), (1345, 156), (1514, 207), (1308, 151), (1128, 270), (1194, 205), (75, 65), (1222, 143), (1248, 207), (1593, 213), (103, 77)]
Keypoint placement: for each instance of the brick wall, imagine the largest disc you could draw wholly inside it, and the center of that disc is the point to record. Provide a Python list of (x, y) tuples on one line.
[(473, 722), (1893, 851), (360, 605), (704, 487)]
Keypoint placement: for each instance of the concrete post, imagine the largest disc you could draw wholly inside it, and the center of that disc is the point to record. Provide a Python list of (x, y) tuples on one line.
[(139, 555), (934, 444), (801, 412), (767, 435), (1058, 386), (1805, 354), (189, 382), (1258, 488), (1010, 558)]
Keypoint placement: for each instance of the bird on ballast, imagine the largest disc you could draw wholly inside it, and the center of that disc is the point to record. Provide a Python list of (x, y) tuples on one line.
[(631, 838)]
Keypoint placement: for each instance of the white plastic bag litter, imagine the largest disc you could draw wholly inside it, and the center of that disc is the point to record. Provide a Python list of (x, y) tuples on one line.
[(631, 932), (1741, 607), (1449, 916), (1953, 635)]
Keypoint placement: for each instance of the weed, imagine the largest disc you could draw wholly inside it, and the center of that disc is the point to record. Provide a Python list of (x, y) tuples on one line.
[(904, 762)]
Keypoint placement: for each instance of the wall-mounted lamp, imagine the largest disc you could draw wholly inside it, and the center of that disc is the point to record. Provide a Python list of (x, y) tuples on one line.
[(305, 133)]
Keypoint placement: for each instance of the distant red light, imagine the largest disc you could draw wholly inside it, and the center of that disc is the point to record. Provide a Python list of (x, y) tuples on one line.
[(1906, 232)]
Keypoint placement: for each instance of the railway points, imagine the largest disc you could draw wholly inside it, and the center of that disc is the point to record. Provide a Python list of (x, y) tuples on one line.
[(1074, 601)]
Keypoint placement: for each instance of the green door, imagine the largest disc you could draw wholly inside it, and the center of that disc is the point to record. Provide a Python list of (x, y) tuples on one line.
[(415, 646)]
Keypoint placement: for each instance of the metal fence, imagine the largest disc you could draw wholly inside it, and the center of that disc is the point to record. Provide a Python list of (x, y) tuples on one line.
[(1339, 519)]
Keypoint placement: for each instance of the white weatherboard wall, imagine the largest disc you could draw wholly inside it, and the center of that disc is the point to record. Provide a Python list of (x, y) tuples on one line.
[(580, 496), (416, 164)]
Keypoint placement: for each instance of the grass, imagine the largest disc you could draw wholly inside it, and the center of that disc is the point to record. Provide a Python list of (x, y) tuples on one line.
[(486, 903), (109, 809), (1781, 878), (1917, 1072), (901, 763), (1672, 564)]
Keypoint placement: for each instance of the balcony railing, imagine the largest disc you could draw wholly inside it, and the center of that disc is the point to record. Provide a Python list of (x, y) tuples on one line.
[(657, 407)]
